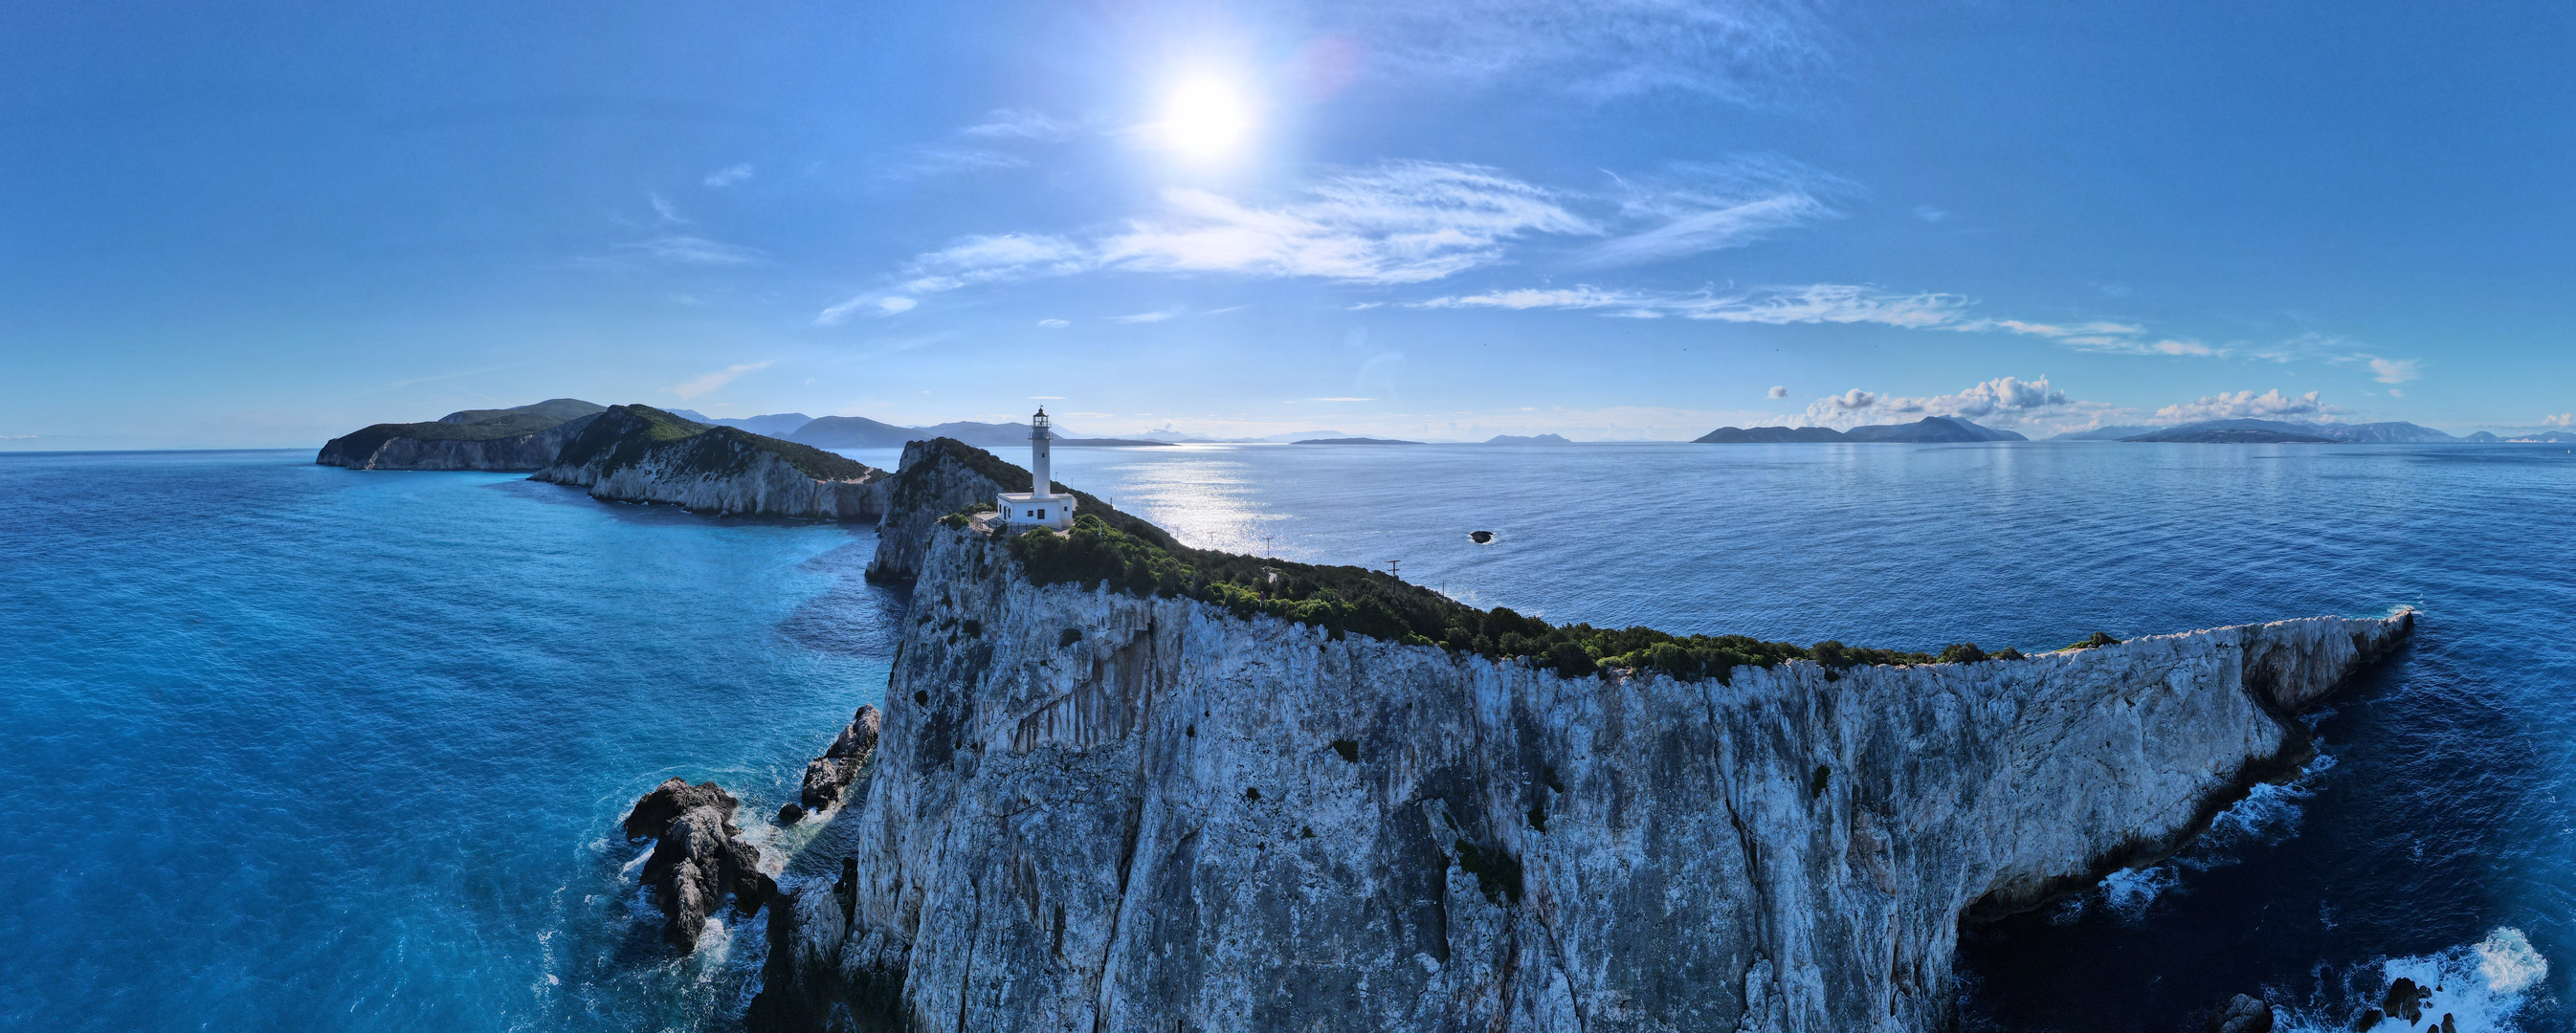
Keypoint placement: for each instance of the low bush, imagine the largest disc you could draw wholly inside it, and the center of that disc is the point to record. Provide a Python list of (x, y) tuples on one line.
[(1355, 600)]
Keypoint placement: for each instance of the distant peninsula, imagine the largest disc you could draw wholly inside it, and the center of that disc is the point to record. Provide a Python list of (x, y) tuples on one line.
[(1356, 441), (524, 438), (1928, 430), (627, 453)]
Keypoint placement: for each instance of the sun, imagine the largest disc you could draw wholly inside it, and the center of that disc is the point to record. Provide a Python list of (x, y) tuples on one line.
[(1205, 118)]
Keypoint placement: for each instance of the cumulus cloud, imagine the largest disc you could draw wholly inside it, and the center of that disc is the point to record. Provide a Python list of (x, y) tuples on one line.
[(1779, 392), (2393, 371), (703, 383), (2270, 405), (2003, 401), (729, 175), (2561, 420)]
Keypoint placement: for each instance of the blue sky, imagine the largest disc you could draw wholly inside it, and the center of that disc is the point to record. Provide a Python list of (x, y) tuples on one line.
[(267, 224)]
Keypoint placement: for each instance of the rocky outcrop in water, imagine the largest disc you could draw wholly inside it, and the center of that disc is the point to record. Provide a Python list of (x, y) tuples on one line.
[(524, 438), (1098, 812), (636, 453), (2242, 1014), (828, 775), (698, 857)]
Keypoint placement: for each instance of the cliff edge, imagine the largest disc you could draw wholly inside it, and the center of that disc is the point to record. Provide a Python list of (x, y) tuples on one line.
[(1096, 807), (637, 453)]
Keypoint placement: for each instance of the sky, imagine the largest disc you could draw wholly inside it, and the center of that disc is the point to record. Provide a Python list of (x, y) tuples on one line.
[(264, 224)]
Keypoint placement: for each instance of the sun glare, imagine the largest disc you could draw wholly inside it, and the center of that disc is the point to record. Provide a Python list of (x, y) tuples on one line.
[(1206, 118)]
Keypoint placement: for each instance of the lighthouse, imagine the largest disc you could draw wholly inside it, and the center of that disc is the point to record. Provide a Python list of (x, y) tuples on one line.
[(1040, 506)]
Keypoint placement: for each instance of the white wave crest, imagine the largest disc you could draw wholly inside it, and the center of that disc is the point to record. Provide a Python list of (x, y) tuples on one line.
[(2481, 987)]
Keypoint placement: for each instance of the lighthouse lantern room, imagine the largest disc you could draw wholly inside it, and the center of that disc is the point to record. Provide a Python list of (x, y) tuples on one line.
[(1041, 506)]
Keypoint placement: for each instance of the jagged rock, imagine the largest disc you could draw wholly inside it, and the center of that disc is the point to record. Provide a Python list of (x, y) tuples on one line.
[(806, 930), (789, 814), (2242, 1014), (828, 775), (2405, 1000), (1151, 824), (698, 857), (668, 801), (2370, 1018)]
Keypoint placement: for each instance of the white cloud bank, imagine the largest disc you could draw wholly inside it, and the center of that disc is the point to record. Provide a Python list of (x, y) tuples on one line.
[(2001, 402), (2270, 405)]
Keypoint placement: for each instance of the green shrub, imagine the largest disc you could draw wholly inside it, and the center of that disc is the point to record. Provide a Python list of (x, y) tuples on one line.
[(1343, 600), (2096, 642), (1963, 653)]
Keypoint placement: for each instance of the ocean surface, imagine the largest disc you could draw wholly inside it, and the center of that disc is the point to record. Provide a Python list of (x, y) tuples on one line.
[(300, 748)]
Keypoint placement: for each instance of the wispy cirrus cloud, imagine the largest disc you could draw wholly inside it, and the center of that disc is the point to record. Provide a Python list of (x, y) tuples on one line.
[(687, 250), (1019, 124), (1696, 208), (729, 175), (1813, 303), (701, 384), (1740, 50), (1401, 222)]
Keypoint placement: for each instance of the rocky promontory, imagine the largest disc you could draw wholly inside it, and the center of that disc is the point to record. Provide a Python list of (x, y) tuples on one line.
[(941, 476), (698, 857), (1122, 786), (524, 438), (637, 453)]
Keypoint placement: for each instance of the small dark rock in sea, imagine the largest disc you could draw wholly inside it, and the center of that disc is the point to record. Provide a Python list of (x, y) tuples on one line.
[(2242, 1014), (698, 857), (2369, 1018), (2405, 1000), (831, 773), (789, 814), (1481, 537)]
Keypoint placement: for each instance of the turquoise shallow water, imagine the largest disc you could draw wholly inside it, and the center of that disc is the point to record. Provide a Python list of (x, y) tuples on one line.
[(303, 748)]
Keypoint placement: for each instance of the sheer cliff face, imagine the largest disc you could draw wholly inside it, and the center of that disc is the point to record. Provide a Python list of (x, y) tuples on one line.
[(721, 470), (1099, 812), (931, 482), (376, 451)]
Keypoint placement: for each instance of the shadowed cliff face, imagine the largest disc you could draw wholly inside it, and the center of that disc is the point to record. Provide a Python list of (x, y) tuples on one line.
[(1092, 811), (934, 478)]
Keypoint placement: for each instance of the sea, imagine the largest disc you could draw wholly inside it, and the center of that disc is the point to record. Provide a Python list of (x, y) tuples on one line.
[(292, 747)]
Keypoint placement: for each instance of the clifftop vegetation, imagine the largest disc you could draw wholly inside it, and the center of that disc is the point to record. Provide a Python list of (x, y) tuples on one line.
[(1356, 600)]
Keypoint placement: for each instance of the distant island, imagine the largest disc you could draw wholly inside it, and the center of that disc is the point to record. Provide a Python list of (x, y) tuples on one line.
[(1356, 441), (1928, 430), (1542, 439), (2272, 432)]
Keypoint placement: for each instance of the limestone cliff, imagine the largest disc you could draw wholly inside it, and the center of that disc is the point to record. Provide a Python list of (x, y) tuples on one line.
[(636, 453), (510, 445), (943, 475), (1092, 811)]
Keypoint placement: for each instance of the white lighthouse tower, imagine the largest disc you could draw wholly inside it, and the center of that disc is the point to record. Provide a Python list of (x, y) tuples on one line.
[(1040, 506)]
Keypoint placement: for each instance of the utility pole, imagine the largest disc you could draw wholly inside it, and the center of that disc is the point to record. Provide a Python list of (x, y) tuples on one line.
[(1392, 572)]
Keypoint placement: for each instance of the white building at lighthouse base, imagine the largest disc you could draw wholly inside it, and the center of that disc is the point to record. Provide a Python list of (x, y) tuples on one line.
[(1022, 510)]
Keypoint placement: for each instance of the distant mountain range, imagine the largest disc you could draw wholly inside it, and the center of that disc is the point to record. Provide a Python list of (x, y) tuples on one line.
[(1356, 441), (1928, 430), (2264, 432)]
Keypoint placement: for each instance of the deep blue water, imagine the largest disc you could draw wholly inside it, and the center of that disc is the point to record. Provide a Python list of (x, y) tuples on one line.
[(295, 747)]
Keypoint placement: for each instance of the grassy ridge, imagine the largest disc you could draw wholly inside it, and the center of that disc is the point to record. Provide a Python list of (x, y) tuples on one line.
[(625, 434), (1357, 600)]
